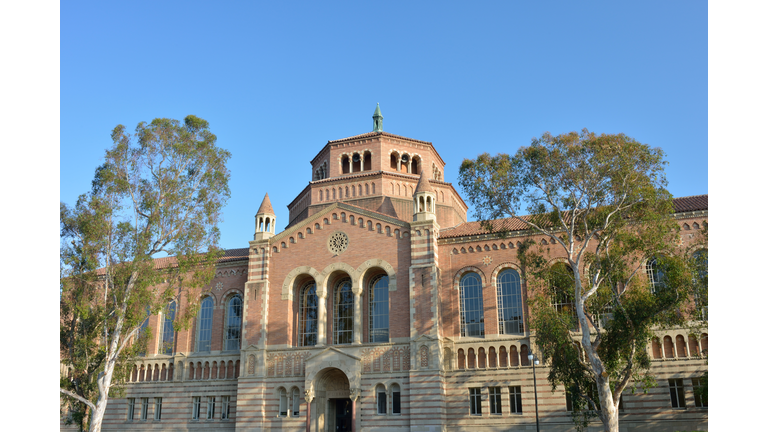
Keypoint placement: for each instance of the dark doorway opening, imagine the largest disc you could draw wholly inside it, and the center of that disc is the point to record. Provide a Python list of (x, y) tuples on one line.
[(341, 414)]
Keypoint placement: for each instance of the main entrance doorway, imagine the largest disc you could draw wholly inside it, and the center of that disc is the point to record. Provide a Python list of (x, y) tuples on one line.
[(340, 415)]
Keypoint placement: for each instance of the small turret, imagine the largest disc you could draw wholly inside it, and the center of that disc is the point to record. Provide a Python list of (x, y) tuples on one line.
[(423, 200), (378, 120), (265, 220)]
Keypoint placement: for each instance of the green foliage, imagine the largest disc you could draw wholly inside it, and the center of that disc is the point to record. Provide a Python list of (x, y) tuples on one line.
[(157, 193), (602, 200)]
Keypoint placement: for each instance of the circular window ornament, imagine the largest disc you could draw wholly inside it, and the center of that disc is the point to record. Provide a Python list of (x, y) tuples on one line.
[(338, 242)]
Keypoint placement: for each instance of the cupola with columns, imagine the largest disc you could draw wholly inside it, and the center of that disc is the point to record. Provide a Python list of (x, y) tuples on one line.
[(423, 200), (265, 220)]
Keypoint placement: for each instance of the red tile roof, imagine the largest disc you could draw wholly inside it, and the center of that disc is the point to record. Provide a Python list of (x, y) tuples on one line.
[(683, 204), (372, 134), (266, 206), (690, 203)]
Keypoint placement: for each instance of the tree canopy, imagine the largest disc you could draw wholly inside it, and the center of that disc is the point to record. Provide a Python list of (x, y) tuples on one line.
[(159, 193), (601, 200)]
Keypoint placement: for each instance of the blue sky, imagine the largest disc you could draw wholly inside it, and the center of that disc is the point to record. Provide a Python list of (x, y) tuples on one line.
[(278, 80)]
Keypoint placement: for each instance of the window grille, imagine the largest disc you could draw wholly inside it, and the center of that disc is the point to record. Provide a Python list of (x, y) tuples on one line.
[(495, 399), (205, 326), (472, 322), (296, 402), (195, 407), (381, 400), (158, 407), (561, 286), (131, 405), (378, 316), (234, 322), (144, 408), (515, 400), (211, 407), (475, 403), (344, 312), (699, 399), (170, 315), (510, 302), (225, 407), (308, 315), (283, 403), (677, 393), (395, 399)]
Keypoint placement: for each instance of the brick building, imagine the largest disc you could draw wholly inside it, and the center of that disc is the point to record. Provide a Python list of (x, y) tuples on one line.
[(369, 312)]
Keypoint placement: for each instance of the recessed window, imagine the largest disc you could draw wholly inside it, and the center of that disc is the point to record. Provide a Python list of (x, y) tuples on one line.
[(395, 399), (495, 399), (234, 322), (158, 408), (510, 302), (378, 316), (515, 400), (295, 402), (656, 274), (475, 404), (211, 407), (225, 407), (561, 291), (205, 321), (144, 408), (381, 400), (677, 393), (344, 312), (196, 408), (472, 322), (131, 406), (283, 403), (699, 398), (170, 315), (308, 315)]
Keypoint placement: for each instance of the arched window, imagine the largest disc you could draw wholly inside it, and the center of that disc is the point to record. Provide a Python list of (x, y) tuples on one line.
[(378, 315), (561, 286), (381, 400), (295, 402), (283, 403), (471, 289), (170, 315), (308, 315), (656, 277), (344, 312), (510, 302), (700, 282), (395, 399), (141, 334), (205, 323), (234, 323)]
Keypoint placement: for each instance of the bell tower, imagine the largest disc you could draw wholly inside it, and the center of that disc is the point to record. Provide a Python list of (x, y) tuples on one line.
[(265, 220), (423, 200)]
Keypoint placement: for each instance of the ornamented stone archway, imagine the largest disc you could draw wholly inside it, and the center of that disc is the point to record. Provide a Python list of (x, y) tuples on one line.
[(332, 376)]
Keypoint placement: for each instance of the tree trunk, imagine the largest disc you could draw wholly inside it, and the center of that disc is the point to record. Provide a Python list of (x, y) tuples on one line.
[(104, 381)]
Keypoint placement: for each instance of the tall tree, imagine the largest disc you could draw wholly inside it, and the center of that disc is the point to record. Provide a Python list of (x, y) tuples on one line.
[(601, 201), (159, 193)]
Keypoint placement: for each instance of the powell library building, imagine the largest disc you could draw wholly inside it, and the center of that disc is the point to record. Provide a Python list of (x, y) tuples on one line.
[(380, 308)]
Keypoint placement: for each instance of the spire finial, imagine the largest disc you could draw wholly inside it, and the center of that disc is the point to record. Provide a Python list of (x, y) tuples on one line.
[(378, 120)]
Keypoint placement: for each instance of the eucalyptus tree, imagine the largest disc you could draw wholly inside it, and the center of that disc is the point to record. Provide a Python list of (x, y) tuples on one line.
[(158, 194), (602, 204)]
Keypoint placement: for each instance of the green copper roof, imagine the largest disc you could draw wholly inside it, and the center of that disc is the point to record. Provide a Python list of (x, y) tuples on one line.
[(378, 120)]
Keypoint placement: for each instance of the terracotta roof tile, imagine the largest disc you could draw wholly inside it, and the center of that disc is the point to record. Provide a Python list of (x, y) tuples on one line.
[(372, 134), (266, 206), (683, 204), (691, 203), (423, 185)]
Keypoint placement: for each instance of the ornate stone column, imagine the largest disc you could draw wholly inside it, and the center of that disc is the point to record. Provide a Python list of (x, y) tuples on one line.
[(321, 316), (354, 393), (309, 395), (358, 328)]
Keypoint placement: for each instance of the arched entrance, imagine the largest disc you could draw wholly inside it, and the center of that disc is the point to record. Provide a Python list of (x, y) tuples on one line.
[(333, 408)]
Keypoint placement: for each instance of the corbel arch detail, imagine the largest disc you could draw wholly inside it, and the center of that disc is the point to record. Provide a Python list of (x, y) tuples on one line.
[(384, 265), (322, 280), (465, 270), (287, 291)]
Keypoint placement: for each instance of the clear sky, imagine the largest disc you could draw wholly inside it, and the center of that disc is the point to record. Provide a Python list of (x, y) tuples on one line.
[(277, 80)]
